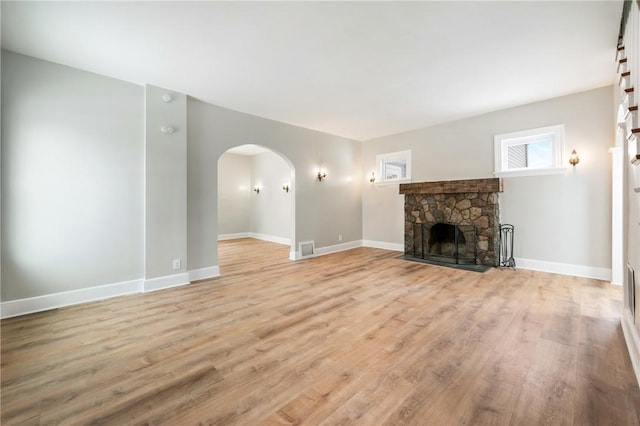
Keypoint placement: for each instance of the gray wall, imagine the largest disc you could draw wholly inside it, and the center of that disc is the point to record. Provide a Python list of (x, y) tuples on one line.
[(560, 218), (165, 183), (271, 209), (72, 179), (323, 209), (241, 209), (234, 192), (74, 170)]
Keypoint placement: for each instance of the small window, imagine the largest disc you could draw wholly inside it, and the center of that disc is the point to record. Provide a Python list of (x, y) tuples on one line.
[(394, 167), (530, 152)]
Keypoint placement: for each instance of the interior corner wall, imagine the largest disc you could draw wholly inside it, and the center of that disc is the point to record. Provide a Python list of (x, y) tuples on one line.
[(165, 184), (633, 172), (72, 179), (234, 192), (559, 219), (271, 209), (324, 210), (630, 322)]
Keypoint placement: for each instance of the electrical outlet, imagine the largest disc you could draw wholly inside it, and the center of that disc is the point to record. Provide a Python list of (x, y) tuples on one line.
[(177, 264), (339, 237)]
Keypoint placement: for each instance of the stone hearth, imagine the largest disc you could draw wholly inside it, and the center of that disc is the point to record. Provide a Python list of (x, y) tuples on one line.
[(456, 202)]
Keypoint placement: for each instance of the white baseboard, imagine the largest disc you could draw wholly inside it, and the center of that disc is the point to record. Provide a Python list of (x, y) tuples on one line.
[(13, 308), (263, 237), (383, 245), (235, 236), (321, 251), (167, 281), (633, 341), (597, 273), (204, 273), (271, 238)]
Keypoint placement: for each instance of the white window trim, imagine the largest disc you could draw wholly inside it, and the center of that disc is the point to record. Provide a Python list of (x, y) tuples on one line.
[(502, 142), (389, 157)]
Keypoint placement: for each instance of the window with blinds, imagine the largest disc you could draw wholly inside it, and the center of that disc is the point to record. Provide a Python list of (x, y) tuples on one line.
[(530, 152)]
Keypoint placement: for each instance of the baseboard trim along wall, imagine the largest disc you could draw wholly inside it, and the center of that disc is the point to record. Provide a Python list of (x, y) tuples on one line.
[(383, 245), (263, 237), (167, 281), (271, 238), (596, 273), (235, 236), (204, 273), (14, 308), (321, 251), (633, 341)]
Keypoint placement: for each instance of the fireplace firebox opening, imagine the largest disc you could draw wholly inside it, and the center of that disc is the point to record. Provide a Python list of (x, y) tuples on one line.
[(446, 242)]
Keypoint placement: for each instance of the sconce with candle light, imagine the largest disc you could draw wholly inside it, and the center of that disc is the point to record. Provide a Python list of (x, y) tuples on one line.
[(285, 187), (257, 189), (573, 158), (372, 178), (322, 174)]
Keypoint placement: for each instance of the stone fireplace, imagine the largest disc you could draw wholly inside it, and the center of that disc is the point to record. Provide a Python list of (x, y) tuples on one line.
[(453, 221)]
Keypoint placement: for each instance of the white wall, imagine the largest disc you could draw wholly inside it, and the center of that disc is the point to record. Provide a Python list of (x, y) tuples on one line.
[(234, 194), (631, 226), (82, 194), (271, 209), (243, 211), (323, 209), (561, 219), (72, 179), (165, 185)]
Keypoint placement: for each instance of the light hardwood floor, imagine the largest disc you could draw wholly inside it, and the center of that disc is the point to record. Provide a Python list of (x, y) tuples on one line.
[(358, 337)]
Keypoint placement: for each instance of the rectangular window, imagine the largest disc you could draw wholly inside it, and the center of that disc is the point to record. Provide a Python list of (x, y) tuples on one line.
[(530, 152), (394, 167)]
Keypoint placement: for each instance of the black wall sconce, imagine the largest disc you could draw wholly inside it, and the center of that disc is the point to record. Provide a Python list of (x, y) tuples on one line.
[(573, 158), (322, 174), (372, 178), (257, 189), (285, 187)]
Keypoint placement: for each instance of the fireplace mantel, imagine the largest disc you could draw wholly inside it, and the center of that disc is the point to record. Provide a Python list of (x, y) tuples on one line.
[(453, 186)]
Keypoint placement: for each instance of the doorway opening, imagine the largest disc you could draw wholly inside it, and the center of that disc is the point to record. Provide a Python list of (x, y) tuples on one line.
[(256, 196)]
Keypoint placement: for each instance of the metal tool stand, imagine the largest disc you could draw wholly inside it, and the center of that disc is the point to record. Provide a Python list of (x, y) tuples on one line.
[(506, 247)]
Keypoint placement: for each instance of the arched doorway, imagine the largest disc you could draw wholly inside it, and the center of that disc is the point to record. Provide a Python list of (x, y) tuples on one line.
[(256, 196)]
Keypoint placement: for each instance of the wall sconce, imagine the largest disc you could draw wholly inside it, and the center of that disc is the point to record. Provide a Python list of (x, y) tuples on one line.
[(573, 158), (322, 174), (372, 178), (167, 130), (257, 189), (285, 187)]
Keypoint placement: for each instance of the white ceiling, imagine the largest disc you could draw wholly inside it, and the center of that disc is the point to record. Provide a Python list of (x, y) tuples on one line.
[(354, 69)]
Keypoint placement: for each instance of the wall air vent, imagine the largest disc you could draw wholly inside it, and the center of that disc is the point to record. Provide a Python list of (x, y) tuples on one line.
[(307, 249)]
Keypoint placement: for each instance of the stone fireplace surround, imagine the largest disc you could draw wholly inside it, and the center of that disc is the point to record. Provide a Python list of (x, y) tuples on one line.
[(457, 202)]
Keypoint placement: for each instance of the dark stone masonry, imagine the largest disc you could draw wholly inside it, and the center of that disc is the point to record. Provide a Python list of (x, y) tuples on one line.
[(463, 202)]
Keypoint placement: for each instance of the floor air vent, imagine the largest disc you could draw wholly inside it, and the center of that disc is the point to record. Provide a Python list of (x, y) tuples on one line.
[(631, 291), (307, 249)]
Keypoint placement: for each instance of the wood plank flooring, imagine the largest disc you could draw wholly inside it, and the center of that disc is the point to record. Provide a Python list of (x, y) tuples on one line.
[(358, 337)]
